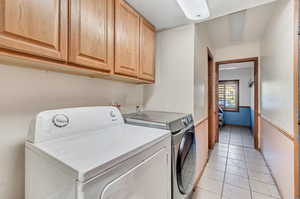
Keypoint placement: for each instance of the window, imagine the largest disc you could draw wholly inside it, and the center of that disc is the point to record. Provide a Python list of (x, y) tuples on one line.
[(229, 95)]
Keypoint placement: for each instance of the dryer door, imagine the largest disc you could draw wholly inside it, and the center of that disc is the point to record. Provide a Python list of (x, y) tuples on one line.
[(186, 162), (148, 179), (141, 182)]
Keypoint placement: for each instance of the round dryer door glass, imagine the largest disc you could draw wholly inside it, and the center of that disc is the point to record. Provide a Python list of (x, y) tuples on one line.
[(186, 162)]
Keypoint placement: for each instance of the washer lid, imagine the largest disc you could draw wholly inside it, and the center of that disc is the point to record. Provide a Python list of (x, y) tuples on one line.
[(97, 151), (156, 116), (159, 119)]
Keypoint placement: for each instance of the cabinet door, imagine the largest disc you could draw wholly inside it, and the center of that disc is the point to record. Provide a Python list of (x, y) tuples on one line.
[(35, 27), (147, 51), (92, 33), (127, 40)]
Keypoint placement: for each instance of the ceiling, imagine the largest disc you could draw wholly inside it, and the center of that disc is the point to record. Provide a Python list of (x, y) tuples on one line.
[(235, 66), (167, 13), (240, 27)]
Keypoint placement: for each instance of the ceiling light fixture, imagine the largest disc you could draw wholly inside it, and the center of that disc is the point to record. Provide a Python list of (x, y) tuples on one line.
[(194, 9)]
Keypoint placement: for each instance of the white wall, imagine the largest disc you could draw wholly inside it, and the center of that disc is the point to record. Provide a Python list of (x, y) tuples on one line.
[(244, 75), (25, 92), (202, 42), (200, 93), (173, 88), (181, 79), (277, 68), (181, 71), (238, 51), (277, 97)]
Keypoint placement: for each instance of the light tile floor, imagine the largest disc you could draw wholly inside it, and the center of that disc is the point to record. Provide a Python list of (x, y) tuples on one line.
[(235, 170)]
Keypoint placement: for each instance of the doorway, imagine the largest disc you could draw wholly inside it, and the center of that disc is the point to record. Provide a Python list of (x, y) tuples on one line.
[(214, 105)]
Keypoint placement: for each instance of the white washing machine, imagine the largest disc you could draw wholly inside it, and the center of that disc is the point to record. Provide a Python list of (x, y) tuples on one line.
[(89, 153)]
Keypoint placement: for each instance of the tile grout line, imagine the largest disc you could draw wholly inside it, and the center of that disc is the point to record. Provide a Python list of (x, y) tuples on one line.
[(246, 162), (248, 177), (252, 191), (225, 172), (250, 188), (270, 173), (245, 147), (245, 152)]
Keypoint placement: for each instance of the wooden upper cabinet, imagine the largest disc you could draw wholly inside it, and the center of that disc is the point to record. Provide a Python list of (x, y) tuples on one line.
[(147, 51), (92, 34), (127, 24), (35, 27)]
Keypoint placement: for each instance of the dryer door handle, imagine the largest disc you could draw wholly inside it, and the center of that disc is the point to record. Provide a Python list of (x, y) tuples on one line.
[(184, 148)]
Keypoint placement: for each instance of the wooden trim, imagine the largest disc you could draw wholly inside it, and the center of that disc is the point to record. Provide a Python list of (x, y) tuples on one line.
[(269, 168), (142, 74), (142, 16), (217, 102), (28, 61), (78, 53), (55, 48), (201, 174), (231, 80), (197, 124), (230, 61), (256, 103), (245, 106), (121, 68), (296, 97), (236, 125), (232, 110), (228, 110), (256, 91), (213, 121), (283, 132), (210, 54), (147, 23)]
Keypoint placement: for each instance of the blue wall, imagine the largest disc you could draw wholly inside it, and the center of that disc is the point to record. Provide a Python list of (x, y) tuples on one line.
[(252, 118), (241, 118)]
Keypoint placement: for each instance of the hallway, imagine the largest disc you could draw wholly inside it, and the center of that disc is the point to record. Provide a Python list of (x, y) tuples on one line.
[(235, 170), (236, 136)]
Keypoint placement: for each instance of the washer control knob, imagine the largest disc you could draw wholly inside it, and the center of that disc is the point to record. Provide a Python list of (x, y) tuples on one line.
[(112, 114)]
